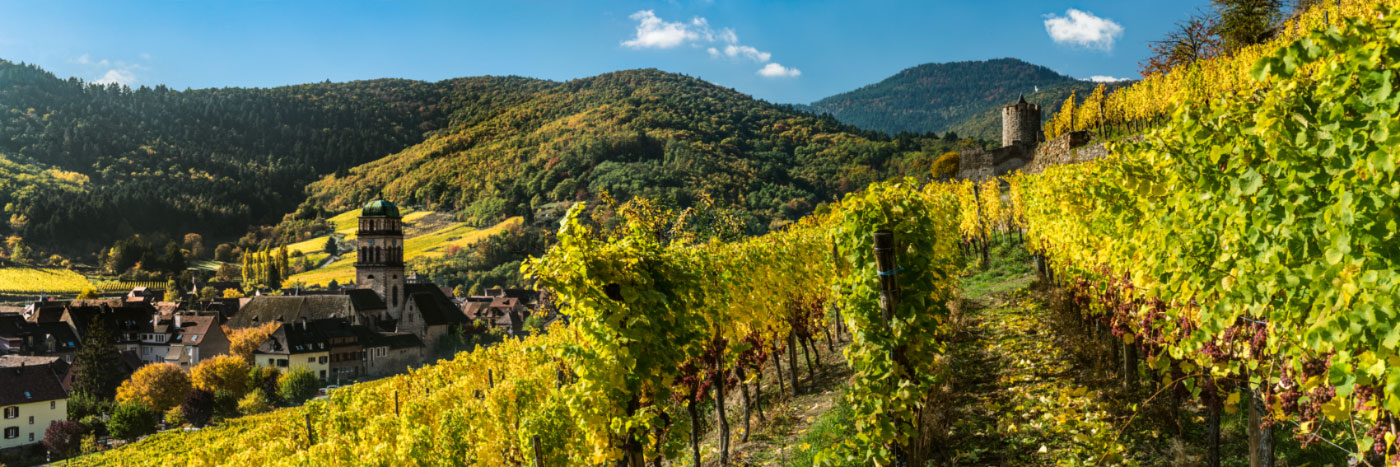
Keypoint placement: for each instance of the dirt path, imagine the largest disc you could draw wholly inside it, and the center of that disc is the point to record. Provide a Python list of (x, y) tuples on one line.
[(1019, 398)]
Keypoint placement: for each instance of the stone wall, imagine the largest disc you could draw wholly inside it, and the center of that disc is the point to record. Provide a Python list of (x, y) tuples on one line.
[(1066, 149), (979, 164)]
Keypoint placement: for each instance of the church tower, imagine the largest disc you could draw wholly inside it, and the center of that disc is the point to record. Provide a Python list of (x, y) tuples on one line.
[(379, 260)]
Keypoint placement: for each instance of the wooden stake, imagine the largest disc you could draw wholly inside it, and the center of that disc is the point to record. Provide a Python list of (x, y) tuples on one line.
[(539, 456)]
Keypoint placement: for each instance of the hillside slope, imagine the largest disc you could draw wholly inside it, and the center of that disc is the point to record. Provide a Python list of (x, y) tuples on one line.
[(630, 133), (211, 161), (937, 97)]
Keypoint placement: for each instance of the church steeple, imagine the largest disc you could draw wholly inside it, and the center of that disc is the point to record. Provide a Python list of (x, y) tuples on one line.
[(379, 253)]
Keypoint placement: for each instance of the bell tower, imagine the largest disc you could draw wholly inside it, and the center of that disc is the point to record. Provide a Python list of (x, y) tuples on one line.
[(379, 254)]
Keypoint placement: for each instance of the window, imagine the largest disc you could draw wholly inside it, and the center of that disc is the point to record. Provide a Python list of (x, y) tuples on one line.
[(310, 359), (53, 404), (11, 412), (12, 432), (323, 359), (31, 419), (396, 295), (31, 437), (282, 362), (323, 374)]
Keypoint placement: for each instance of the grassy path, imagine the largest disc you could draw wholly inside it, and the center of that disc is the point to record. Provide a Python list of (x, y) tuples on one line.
[(1019, 397)]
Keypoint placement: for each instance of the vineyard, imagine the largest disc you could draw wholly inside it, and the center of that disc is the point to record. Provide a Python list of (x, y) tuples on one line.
[(1239, 260), (1246, 249), (35, 280)]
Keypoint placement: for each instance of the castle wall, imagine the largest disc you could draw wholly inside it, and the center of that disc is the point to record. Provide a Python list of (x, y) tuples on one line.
[(982, 164), (1066, 149)]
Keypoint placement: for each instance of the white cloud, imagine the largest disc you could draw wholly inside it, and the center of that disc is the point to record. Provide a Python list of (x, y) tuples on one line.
[(775, 70), (1107, 79), (122, 77), (111, 71), (1083, 29), (652, 32), (747, 52)]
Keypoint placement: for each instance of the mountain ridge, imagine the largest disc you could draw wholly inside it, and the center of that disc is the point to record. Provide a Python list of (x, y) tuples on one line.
[(942, 97)]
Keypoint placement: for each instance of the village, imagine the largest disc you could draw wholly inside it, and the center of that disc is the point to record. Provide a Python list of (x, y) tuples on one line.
[(386, 322)]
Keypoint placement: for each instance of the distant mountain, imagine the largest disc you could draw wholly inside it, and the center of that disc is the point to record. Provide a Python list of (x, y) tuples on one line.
[(938, 97)]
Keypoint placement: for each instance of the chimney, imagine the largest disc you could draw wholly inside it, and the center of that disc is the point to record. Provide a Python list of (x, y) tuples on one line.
[(178, 322)]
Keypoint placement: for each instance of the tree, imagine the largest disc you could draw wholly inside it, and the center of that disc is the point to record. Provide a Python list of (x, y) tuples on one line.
[(195, 244), (331, 248), (946, 165), (232, 293), (223, 372), (172, 291), (96, 363), (1193, 39), (88, 293), (198, 407), (1246, 22), (298, 385), (132, 420), (223, 252), (243, 342), (208, 293), (174, 259), (459, 291), (159, 386), (63, 437)]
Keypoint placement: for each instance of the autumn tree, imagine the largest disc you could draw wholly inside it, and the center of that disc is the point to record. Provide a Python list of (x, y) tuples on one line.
[(1192, 39), (159, 386), (195, 244), (232, 293), (244, 341), (227, 372), (96, 363), (88, 293)]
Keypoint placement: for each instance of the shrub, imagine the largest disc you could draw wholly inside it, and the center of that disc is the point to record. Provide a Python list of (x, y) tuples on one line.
[(132, 420), (298, 385), (174, 417), (198, 407), (253, 403), (64, 437)]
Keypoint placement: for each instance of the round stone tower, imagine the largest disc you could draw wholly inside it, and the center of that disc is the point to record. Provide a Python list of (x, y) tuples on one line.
[(379, 254), (1020, 123)]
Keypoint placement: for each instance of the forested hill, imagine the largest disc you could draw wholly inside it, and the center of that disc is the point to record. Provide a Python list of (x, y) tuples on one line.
[(85, 164), (937, 97), (634, 133)]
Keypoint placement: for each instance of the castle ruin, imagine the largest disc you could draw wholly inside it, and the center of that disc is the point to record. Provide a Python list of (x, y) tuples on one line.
[(1022, 148)]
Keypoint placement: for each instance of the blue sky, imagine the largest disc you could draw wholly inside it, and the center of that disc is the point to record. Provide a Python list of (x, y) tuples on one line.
[(779, 50)]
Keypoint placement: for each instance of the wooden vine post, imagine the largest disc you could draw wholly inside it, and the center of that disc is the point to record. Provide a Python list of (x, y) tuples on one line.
[(1261, 437), (886, 268), (539, 455)]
